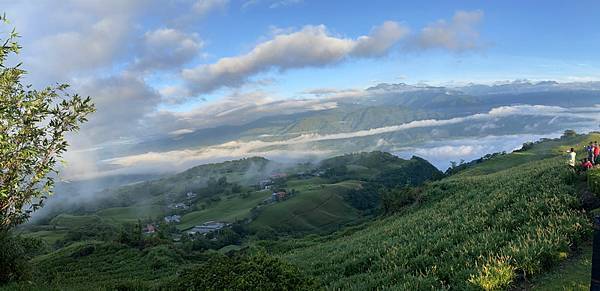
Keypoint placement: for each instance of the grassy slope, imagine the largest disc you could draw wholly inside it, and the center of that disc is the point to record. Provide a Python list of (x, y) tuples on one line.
[(131, 214), (540, 151), (228, 210), (522, 211), (50, 236), (94, 265), (573, 274), (75, 221), (315, 208)]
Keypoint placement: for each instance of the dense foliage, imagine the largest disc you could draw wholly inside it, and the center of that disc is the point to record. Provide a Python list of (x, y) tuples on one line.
[(414, 172), (457, 167), (14, 255), (256, 272), (33, 125), (593, 178), (470, 233)]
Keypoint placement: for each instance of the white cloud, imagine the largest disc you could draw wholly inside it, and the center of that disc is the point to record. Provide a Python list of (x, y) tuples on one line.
[(459, 34), (67, 38), (90, 49), (203, 7), (121, 102), (167, 48), (441, 152), (235, 109), (281, 3), (379, 41), (312, 46), (448, 151), (271, 3)]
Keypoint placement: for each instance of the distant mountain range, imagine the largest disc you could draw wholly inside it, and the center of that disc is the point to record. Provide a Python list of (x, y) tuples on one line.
[(388, 117)]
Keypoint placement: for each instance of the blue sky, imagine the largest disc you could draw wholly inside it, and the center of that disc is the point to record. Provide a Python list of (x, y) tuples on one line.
[(163, 67), (521, 39)]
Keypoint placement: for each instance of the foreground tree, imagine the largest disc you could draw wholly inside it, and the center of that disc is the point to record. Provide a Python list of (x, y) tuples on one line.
[(33, 125)]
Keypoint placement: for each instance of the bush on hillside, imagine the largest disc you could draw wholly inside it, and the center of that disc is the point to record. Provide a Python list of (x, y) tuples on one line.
[(593, 178), (256, 272), (396, 199), (496, 274), (104, 232), (415, 172), (15, 253), (569, 133), (365, 198)]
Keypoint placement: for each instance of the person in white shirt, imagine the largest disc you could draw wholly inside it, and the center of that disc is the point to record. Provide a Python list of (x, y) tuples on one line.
[(572, 157)]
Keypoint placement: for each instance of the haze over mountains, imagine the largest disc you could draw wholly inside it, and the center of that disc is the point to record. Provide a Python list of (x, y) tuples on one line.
[(441, 124)]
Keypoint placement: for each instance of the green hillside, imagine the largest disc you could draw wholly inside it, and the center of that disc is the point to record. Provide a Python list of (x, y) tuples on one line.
[(505, 222), (317, 208), (535, 152), (381, 167), (131, 214), (162, 191), (352, 118), (228, 210), (513, 214), (520, 219)]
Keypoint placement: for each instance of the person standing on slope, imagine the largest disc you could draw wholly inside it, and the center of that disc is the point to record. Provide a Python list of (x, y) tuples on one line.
[(596, 153), (590, 151), (572, 156)]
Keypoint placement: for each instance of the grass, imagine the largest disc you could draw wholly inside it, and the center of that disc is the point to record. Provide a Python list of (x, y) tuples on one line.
[(228, 210), (50, 236), (302, 184), (94, 265), (544, 150), (131, 214), (315, 208), (75, 221), (573, 274)]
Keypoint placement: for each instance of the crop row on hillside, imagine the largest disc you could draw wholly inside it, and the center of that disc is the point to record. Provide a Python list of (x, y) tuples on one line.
[(471, 233)]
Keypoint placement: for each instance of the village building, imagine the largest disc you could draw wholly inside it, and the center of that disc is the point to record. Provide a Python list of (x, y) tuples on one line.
[(278, 175), (180, 206), (206, 227), (279, 196), (265, 184), (149, 229), (173, 218), (190, 195)]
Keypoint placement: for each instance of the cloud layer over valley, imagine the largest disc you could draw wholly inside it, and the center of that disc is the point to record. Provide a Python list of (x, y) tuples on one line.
[(310, 146)]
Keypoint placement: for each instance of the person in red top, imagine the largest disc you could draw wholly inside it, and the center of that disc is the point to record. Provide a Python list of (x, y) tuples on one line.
[(587, 164), (596, 153)]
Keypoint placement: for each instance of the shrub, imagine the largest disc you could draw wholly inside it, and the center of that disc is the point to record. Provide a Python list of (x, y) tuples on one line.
[(13, 259), (365, 198), (396, 199), (496, 274), (593, 177), (242, 272)]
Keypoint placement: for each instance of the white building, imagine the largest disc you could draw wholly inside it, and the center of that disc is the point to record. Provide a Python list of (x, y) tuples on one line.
[(206, 227), (173, 219)]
